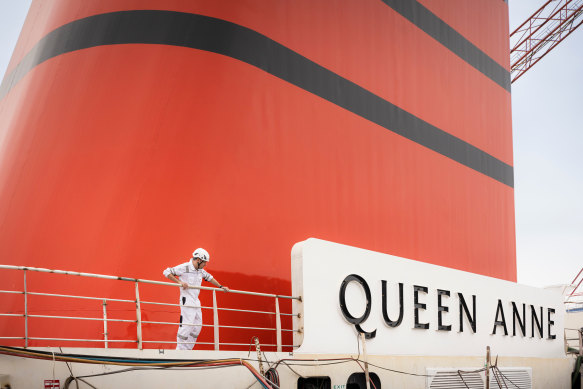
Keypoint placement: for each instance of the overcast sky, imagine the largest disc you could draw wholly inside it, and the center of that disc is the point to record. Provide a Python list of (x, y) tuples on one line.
[(548, 150), (547, 103)]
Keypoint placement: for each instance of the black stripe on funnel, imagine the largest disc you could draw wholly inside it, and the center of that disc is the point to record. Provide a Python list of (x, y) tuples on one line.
[(241, 43), (433, 26)]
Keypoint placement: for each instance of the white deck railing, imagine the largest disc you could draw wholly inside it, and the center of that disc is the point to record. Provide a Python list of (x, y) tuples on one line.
[(139, 341)]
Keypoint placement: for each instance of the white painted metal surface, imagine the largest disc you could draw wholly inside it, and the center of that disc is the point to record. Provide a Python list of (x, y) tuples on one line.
[(320, 267)]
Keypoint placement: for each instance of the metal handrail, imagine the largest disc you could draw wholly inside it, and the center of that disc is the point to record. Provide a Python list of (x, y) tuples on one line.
[(138, 302), (144, 302), (103, 276), (77, 297), (133, 321)]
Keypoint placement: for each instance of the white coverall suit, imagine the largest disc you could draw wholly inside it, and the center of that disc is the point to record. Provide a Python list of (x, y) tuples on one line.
[(190, 311)]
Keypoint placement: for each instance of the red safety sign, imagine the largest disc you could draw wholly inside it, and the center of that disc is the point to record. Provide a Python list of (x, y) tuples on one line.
[(52, 384)]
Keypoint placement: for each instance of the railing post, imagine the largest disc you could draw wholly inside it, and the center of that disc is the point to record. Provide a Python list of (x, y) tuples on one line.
[(105, 321), (216, 319), (139, 317), (580, 332), (278, 325), (25, 313)]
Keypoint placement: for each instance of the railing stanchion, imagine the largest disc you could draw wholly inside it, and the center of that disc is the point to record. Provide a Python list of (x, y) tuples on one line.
[(139, 317), (25, 313), (105, 321), (216, 319), (278, 324), (580, 332)]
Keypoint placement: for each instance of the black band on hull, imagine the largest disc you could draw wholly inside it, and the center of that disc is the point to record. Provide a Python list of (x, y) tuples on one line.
[(232, 40)]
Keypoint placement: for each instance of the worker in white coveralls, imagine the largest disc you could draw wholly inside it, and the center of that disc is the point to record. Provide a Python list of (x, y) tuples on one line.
[(191, 274)]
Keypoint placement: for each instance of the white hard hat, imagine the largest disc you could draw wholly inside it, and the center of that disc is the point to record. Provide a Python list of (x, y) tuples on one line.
[(202, 254)]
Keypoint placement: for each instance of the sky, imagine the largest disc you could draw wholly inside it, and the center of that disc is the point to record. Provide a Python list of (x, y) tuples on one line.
[(547, 102), (548, 150)]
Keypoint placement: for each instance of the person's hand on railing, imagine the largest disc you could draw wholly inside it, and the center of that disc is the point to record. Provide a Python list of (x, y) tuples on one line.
[(184, 285), (226, 289)]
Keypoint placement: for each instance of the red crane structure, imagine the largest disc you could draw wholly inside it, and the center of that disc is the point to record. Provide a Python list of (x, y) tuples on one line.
[(575, 298), (540, 33)]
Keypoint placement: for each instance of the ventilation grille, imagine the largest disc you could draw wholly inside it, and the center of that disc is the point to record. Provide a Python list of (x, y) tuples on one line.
[(469, 378), (452, 379), (516, 378)]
